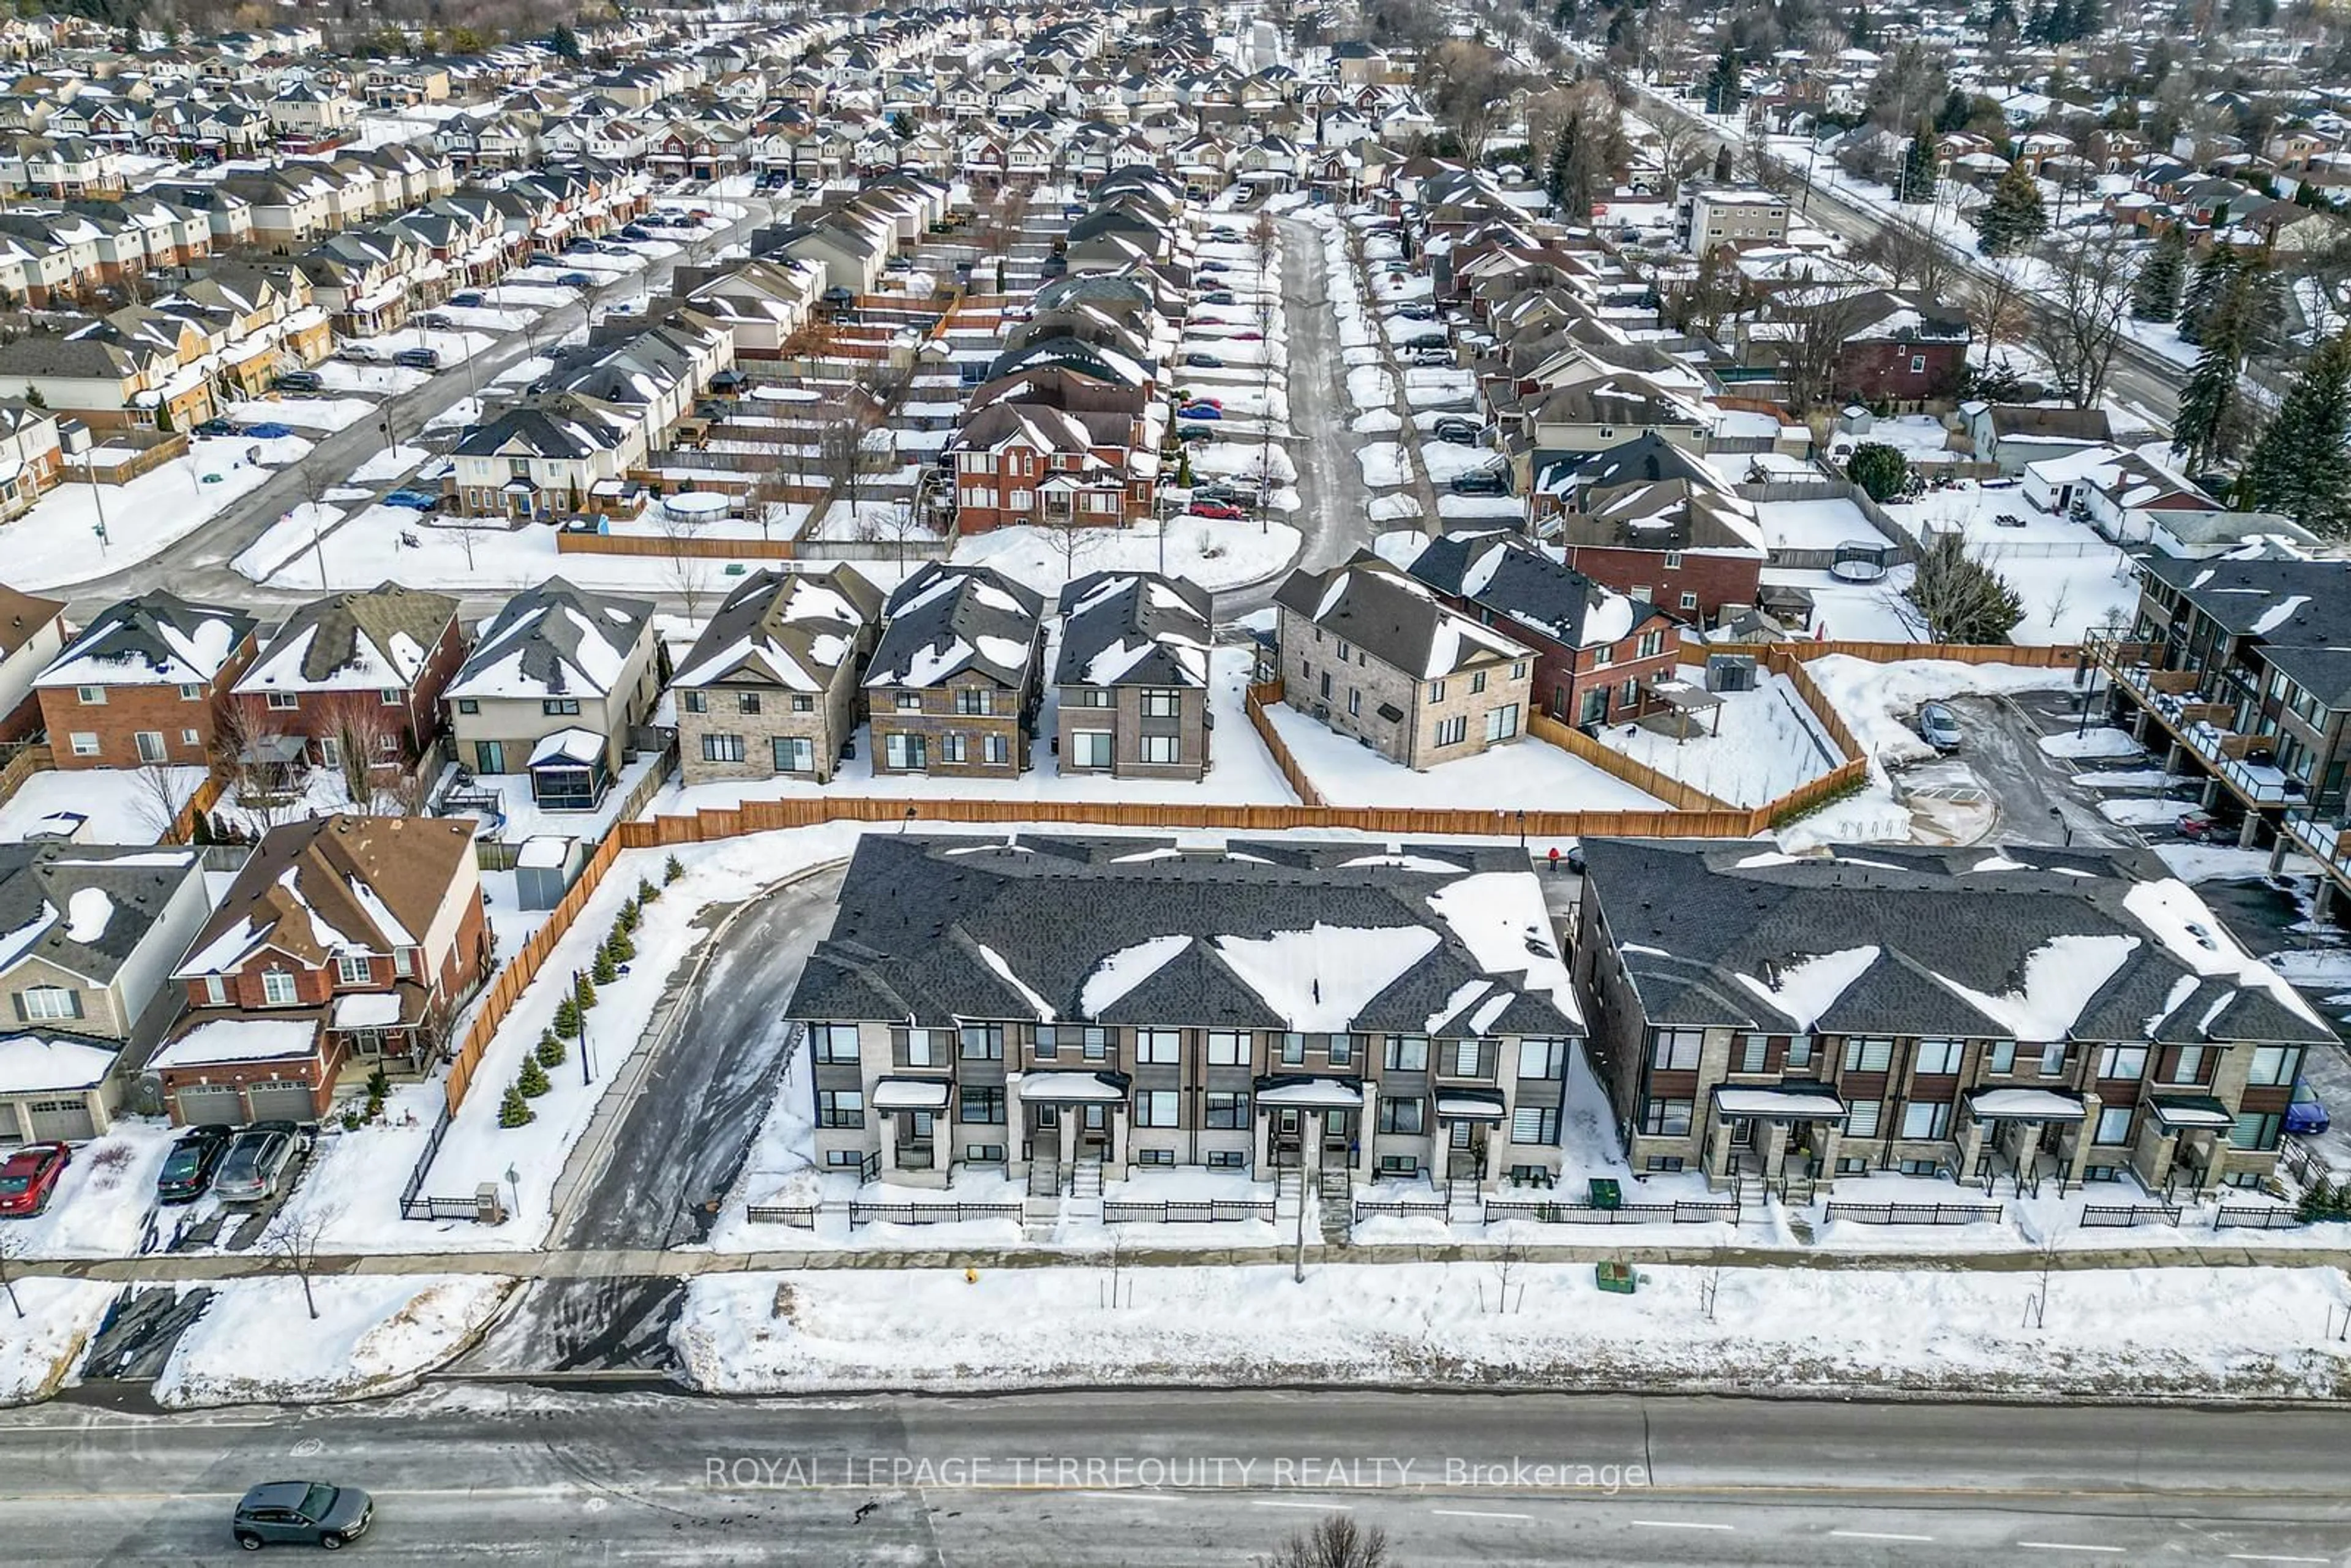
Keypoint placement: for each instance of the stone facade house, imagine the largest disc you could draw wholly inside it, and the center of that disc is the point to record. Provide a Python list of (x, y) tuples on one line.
[(1372, 653), (1131, 679), (952, 685), (772, 685)]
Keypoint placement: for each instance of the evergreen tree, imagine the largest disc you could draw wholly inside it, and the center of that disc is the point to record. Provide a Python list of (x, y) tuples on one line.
[(2301, 464), (1858, 29), (2205, 286), (1563, 159), (604, 971), (565, 43), (2060, 22), (551, 1050), (514, 1111), (584, 990), (2089, 19), (2155, 292), (1916, 182), (1724, 168), (646, 892), (2211, 421), (1723, 89), (2036, 22), (2317, 1202), (531, 1082), (2001, 22), (619, 946), (672, 870), (1953, 115), (2014, 216), (567, 1018)]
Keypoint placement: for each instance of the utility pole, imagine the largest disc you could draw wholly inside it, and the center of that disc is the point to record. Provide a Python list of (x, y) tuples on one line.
[(577, 978)]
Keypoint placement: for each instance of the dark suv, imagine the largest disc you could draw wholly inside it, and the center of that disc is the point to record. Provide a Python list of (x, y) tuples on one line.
[(301, 1513), (188, 1168)]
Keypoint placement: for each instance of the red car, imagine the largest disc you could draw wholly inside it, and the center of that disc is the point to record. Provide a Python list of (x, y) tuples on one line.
[(1220, 509), (30, 1176), (1248, 337)]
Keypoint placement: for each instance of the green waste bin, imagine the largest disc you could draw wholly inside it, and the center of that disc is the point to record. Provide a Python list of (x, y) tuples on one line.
[(1606, 1193), (1616, 1279)]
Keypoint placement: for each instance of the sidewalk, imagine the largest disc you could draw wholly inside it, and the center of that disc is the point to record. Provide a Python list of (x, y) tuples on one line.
[(589, 1263)]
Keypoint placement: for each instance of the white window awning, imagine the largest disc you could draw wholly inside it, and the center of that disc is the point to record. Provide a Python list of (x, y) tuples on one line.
[(1312, 1094), (1072, 1088), (2024, 1105), (1781, 1102), (1468, 1108), (2186, 1112), (910, 1095)]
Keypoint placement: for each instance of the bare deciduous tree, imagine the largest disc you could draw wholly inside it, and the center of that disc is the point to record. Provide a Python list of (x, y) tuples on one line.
[(11, 1246), (159, 791), (1815, 329), (368, 741), (2089, 300), (687, 569), (246, 745), (1994, 302), (293, 1242), (1336, 1540)]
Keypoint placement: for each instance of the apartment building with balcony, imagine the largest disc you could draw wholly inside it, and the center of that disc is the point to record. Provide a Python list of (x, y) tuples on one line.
[(1986, 1014), (1047, 1002)]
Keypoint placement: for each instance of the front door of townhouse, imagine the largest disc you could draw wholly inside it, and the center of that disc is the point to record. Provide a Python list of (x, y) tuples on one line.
[(1285, 1138), (1338, 1131), (1093, 1131)]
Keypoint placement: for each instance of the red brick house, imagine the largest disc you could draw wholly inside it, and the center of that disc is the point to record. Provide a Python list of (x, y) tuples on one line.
[(1598, 654), (142, 683), (345, 939), (355, 666), (1027, 462), (1690, 548), (1902, 352)]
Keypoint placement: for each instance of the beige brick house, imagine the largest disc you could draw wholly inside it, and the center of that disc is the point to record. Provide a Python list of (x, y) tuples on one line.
[(1374, 653), (771, 687)]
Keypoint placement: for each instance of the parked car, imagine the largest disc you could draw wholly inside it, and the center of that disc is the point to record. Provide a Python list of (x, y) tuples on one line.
[(899, 264), (414, 500), (575, 280), (1427, 340), (1200, 432), (436, 322), (1460, 432), (2200, 825), (1213, 266), (418, 359), (1939, 727), (466, 298), (1417, 313), (267, 429), (1430, 358), (1217, 297), (1248, 337), (216, 427), (2305, 1114), (29, 1178), (301, 1513), (360, 353), (1222, 509), (256, 1163), (580, 245), (636, 232), (1482, 481), (189, 1168), (1199, 410), (298, 382), (1203, 361)]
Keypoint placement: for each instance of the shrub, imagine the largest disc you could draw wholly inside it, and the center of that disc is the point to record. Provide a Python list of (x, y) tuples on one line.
[(646, 891), (550, 1049), (352, 1120), (604, 972), (619, 946), (514, 1111), (673, 870), (532, 1079), (1879, 469), (586, 992), (567, 1018)]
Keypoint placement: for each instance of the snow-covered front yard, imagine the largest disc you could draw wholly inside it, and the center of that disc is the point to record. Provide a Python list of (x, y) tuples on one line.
[(255, 1343), (58, 542), (40, 1349), (1527, 774), (2240, 1332)]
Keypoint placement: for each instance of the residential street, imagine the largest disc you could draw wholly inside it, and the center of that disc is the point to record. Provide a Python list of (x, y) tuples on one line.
[(1070, 1479), (676, 1147), (197, 565)]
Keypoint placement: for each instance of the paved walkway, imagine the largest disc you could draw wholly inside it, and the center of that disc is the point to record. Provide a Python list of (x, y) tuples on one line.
[(589, 1263)]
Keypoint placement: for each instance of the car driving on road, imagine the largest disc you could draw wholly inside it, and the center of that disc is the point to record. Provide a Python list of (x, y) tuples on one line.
[(301, 1513)]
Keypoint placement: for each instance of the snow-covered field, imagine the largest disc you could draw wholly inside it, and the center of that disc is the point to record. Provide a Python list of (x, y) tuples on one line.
[(2246, 1332), (1756, 747), (122, 804), (1214, 552), (1526, 774), (40, 1349), (256, 1343), (56, 542)]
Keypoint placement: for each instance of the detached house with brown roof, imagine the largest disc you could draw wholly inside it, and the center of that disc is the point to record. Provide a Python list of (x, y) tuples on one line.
[(344, 938), (355, 667)]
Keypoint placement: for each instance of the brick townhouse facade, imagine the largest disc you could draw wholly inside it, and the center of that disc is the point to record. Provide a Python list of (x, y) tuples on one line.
[(141, 683)]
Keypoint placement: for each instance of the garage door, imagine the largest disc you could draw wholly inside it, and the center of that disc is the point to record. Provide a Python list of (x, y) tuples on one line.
[(281, 1101), (201, 1102), (66, 1121)]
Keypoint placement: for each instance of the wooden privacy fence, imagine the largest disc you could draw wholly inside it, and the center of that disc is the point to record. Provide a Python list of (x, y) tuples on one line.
[(1664, 787), (699, 547), (515, 976)]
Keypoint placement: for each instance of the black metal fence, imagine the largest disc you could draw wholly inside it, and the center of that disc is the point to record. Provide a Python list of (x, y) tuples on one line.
[(1214, 1211), (1687, 1212), (1918, 1213), (2120, 1216), (2253, 1217), (1431, 1207), (413, 1205), (802, 1215), (928, 1213)]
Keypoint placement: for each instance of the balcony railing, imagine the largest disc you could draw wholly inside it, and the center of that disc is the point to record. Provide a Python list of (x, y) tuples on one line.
[(2321, 840), (2181, 703)]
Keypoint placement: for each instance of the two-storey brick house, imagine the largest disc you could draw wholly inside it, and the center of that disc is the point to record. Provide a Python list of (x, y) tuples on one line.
[(772, 688), (1051, 1004), (1599, 654), (141, 685), (1131, 678), (1371, 652), (344, 939), (552, 687), (953, 684), (2010, 1014), (355, 669)]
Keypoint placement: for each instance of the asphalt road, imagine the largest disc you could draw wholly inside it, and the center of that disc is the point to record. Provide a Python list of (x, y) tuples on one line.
[(1206, 1479), (677, 1148), (2038, 802), (197, 565), (1330, 518)]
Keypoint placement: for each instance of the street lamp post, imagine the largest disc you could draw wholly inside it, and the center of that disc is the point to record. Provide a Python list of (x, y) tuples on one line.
[(579, 983)]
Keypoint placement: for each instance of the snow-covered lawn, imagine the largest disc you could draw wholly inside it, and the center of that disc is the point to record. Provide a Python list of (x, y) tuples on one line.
[(1768, 743), (122, 804), (344, 376), (2142, 813), (304, 413), (56, 542), (289, 539), (389, 462), (1817, 525), (103, 1202), (256, 1343), (41, 1349), (1526, 774), (1214, 552), (2245, 1331), (1386, 464)]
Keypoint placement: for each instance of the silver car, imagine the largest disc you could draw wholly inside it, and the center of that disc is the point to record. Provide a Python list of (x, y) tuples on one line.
[(256, 1163), (1938, 727)]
